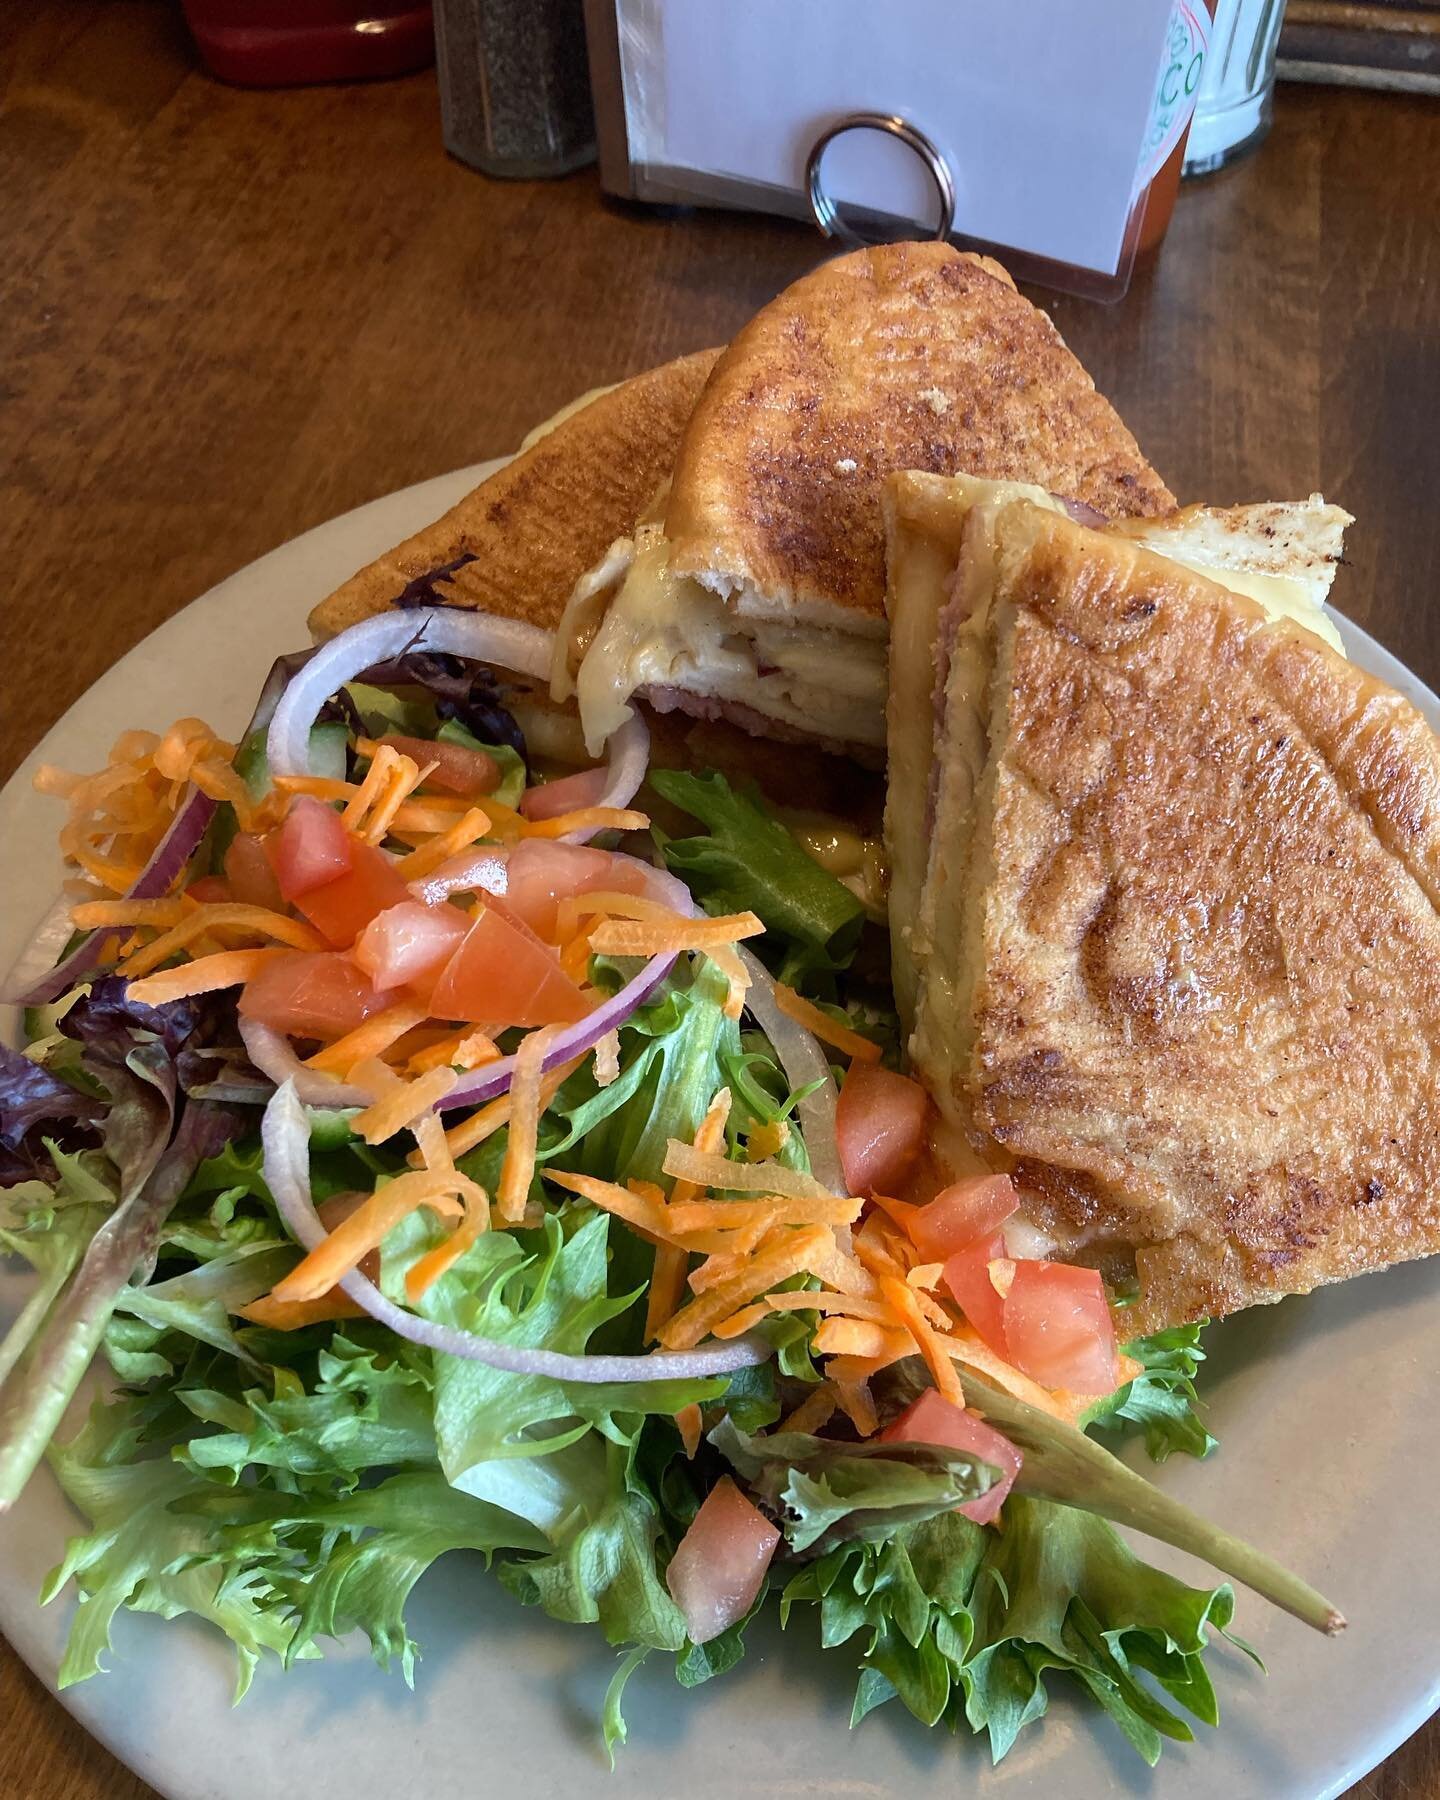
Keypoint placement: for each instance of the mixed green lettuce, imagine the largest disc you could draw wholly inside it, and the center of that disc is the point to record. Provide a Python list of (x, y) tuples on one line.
[(292, 1487)]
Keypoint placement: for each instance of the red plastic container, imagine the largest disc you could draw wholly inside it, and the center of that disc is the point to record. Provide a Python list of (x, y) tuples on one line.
[(287, 43)]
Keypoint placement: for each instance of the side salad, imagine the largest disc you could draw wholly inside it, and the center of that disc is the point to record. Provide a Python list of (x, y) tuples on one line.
[(433, 1178)]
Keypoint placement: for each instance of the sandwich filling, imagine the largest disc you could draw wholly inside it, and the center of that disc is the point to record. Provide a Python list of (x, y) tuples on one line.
[(674, 642)]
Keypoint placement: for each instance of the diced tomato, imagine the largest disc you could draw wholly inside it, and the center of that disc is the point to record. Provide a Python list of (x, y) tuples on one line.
[(407, 942), (542, 872), (967, 1275), (310, 847), (880, 1124), (460, 770), (720, 1562), (248, 871), (974, 1208), (932, 1419), (1058, 1327), (568, 794), (210, 889), (312, 994), (502, 973), (342, 909)]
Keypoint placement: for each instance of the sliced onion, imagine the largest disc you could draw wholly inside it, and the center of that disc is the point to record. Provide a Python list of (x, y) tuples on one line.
[(170, 856), (804, 1062), (493, 1079), (508, 643), (285, 1134), (271, 1054)]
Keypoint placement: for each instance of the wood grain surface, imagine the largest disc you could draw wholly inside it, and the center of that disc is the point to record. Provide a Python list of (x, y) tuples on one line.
[(229, 316)]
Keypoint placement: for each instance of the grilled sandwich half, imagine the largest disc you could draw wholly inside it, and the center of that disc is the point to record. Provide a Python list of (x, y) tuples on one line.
[(1182, 970), (756, 591)]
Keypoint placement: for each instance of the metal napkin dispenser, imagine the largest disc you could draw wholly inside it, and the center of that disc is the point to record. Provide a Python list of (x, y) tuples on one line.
[(1029, 127)]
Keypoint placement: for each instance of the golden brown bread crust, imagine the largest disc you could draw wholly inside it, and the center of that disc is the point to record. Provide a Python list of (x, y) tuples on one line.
[(904, 356), (1208, 1018), (540, 522)]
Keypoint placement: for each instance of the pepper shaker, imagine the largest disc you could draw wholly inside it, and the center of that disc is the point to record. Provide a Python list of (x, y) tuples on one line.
[(515, 85)]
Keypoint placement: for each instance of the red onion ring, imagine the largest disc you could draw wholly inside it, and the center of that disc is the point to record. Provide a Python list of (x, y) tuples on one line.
[(509, 643), (285, 1135)]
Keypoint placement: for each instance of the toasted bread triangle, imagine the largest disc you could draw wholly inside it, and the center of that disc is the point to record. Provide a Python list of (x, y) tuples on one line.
[(903, 356), (538, 524), (1201, 1003)]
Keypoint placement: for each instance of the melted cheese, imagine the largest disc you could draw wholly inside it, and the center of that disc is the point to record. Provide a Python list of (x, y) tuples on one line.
[(666, 631)]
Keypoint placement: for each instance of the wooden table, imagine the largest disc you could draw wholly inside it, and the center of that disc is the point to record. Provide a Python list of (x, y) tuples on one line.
[(232, 315)]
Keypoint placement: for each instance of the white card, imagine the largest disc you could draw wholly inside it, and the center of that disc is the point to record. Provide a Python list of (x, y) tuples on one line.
[(1041, 108)]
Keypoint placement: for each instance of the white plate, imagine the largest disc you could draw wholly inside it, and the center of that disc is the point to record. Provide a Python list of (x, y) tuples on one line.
[(1324, 1408)]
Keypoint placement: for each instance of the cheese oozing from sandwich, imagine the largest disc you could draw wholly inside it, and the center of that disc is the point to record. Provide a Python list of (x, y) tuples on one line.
[(665, 635)]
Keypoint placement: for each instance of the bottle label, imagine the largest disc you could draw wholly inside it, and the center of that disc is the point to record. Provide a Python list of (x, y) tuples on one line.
[(1181, 67)]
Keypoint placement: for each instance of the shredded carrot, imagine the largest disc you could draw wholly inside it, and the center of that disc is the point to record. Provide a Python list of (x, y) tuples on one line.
[(773, 1209), (852, 1306), (790, 1253), (432, 1265), (407, 1102), (465, 831), (858, 1407), (374, 1036), (362, 1232), (727, 1245), (292, 1315), (667, 1287), (926, 1275), (709, 1137), (601, 903), (318, 787), (655, 937), (815, 1410), (845, 1371), (220, 782), (740, 1322), (456, 1050), (689, 1424), (379, 779), (820, 1024), (727, 961), (877, 1255), (845, 1274), (518, 1168), (402, 785), (861, 1337), (907, 1309), (709, 1170), (160, 913), (901, 1211), (667, 1281), (227, 968), (588, 818), (255, 921), (635, 1209)]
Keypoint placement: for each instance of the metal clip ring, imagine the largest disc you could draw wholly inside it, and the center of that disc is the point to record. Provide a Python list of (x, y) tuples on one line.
[(823, 207)]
